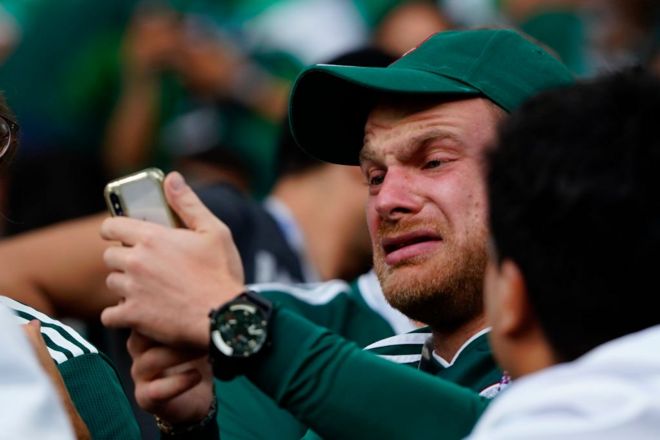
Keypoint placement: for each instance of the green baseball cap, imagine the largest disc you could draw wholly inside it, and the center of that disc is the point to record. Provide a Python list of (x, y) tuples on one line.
[(329, 103)]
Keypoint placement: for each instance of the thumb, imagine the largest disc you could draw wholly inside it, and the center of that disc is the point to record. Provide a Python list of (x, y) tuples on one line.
[(185, 203)]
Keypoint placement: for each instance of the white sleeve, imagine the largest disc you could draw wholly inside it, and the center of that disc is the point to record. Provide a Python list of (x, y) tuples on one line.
[(29, 404)]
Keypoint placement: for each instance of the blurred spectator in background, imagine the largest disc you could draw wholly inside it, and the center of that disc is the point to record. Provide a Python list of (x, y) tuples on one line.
[(626, 32), (590, 36), (130, 84), (103, 89), (283, 239), (8, 33), (236, 78), (58, 79)]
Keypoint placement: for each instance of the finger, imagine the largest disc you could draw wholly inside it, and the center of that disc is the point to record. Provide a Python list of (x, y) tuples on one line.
[(129, 231), (159, 360), (116, 257), (153, 394), (33, 332), (194, 214), (182, 368), (33, 329), (119, 316), (171, 386), (137, 344), (118, 282)]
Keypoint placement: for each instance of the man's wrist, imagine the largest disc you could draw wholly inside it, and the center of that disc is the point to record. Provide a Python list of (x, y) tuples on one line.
[(201, 335), (239, 334), (205, 428)]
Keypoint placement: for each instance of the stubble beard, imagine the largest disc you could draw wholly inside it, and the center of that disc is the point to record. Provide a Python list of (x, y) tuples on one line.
[(443, 290)]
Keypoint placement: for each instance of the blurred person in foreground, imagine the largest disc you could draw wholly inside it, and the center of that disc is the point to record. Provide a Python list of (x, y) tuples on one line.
[(29, 401), (30, 405), (574, 203), (88, 376), (429, 118)]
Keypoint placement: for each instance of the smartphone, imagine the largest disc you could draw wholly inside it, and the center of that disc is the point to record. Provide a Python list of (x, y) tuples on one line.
[(140, 195)]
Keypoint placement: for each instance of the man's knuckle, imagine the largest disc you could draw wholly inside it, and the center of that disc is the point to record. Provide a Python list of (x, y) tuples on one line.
[(134, 264), (131, 347), (142, 397), (136, 371), (149, 238), (222, 232), (107, 255), (112, 282)]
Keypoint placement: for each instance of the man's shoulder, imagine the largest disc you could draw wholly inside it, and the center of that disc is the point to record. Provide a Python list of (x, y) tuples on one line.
[(335, 305), (311, 293), (364, 290), (63, 342)]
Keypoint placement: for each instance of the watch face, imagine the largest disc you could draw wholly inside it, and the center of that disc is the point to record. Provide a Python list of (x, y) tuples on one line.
[(240, 330)]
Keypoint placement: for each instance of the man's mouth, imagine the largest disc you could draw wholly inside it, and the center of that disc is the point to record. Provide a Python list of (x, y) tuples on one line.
[(405, 246)]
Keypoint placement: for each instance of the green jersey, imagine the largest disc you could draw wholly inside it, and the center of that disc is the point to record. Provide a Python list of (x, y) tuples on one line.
[(342, 391), (473, 365), (357, 311), (88, 375)]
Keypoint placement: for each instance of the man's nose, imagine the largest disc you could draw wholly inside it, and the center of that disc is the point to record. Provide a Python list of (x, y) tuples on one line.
[(397, 195)]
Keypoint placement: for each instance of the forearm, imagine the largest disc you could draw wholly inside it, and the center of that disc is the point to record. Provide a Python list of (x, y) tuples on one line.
[(132, 126), (59, 269), (341, 392), (268, 98)]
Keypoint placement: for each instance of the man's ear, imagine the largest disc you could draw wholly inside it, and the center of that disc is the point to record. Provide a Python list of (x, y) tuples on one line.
[(515, 311)]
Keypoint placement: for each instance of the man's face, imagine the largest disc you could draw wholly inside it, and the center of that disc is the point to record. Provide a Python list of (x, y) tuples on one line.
[(426, 209)]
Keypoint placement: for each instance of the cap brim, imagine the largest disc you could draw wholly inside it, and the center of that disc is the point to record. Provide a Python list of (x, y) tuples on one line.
[(329, 104)]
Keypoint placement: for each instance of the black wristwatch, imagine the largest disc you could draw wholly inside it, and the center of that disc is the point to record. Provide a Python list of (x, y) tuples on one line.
[(239, 334)]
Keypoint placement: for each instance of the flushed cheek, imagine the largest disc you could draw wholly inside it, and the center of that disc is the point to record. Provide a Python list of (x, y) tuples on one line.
[(468, 215)]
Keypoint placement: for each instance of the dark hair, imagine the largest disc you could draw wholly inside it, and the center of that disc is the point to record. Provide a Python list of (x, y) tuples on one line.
[(6, 112), (291, 158), (574, 192)]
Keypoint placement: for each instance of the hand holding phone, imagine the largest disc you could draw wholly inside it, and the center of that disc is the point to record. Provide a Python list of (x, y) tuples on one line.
[(140, 195)]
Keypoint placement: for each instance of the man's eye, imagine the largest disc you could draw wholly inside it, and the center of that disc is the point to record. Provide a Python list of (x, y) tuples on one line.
[(433, 164), (376, 179)]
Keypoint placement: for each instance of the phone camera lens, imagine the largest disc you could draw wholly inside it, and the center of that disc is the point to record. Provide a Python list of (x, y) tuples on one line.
[(116, 205)]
